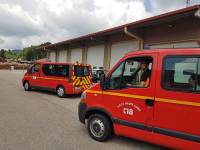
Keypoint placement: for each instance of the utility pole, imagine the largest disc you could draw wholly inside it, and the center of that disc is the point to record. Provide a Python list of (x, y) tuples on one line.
[(187, 3)]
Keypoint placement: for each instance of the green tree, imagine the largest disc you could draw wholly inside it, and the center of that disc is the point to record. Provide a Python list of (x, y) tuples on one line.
[(2, 53), (34, 52)]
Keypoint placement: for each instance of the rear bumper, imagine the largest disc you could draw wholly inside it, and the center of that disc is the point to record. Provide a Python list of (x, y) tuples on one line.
[(82, 108)]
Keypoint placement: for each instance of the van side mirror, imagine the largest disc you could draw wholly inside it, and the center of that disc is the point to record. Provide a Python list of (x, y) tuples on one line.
[(102, 81)]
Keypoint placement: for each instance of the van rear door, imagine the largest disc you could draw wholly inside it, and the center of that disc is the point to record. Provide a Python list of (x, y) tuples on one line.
[(81, 76)]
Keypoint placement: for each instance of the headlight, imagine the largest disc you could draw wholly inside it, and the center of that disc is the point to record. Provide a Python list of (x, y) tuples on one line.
[(83, 97)]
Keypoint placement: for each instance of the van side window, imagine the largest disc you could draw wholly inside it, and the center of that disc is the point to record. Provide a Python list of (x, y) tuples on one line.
[(133, 73), (137, 72), (56, 70), (180, 74)]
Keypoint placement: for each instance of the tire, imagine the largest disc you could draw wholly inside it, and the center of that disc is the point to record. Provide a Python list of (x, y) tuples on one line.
[(27, 86), (99, 127), (60, 91)]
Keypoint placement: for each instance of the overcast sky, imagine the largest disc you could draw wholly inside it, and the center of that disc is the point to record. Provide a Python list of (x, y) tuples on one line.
[(30, 22)]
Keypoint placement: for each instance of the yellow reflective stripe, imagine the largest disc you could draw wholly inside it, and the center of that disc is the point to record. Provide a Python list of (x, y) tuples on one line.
[(88, 79), (78, 81), (85, 80), (177, 102), (73, 77), (128, 95), (173, 101), (52, 79), (75, 81), (95, 92), (120, 94)]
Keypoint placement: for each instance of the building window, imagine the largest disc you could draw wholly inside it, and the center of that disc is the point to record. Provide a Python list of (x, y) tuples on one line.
[(181, 74)]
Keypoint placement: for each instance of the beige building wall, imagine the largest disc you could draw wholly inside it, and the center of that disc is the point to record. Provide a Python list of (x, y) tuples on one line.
[(62, 56), (119, 49), (76, 55), (95, 56), (52, 56)]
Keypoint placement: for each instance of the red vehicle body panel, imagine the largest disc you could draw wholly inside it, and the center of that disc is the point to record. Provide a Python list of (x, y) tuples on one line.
[(40, 80), (174, 119)]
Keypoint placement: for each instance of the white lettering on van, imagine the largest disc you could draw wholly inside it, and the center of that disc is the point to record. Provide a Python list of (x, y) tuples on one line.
[(128, 111)]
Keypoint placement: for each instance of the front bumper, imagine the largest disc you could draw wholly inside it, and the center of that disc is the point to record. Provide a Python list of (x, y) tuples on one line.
[(82, 108)]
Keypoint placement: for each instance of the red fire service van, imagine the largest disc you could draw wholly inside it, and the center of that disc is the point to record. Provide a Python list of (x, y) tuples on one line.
[(150, 95), (62, 78)]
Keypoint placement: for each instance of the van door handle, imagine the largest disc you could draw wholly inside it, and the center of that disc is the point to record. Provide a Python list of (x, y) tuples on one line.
[(149, 102)]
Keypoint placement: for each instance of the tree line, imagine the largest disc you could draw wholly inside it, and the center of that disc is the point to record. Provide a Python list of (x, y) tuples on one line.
[(30, 53)]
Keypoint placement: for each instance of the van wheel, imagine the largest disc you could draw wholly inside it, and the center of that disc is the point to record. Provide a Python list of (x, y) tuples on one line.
[(99, 127), (27, 86), (60, 91)]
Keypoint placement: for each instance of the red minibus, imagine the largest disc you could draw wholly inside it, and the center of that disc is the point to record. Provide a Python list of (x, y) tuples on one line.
[(149, 95), (62, 78)]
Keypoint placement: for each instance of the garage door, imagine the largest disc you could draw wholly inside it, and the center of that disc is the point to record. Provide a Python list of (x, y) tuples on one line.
[(119, 49), (52, 56), (190, 44), (62, 56), (95, 56), (76, 55)]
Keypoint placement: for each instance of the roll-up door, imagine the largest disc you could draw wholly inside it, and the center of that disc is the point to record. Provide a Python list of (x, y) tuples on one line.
[(95, 56), (76, 55), (62, 56), (119, 49), (52, 56)]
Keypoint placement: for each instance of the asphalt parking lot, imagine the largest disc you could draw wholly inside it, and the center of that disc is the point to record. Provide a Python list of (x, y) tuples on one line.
[(41, 121)]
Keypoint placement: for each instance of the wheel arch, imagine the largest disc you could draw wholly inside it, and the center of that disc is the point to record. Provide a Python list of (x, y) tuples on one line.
[(60, 85), (100, 111), (25, 81)]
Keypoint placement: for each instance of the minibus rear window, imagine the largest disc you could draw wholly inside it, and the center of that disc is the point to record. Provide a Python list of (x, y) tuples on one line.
[(81, 71), (56, 70)]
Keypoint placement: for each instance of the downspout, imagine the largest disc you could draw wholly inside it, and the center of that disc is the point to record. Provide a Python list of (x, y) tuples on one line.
[(140, 40)]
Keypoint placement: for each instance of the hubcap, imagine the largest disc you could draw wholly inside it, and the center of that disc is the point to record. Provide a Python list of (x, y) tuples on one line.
[(61, 91), (97, 127), (26, 86)]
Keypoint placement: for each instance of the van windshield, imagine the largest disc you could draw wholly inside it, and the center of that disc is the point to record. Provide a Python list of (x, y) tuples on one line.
[(81, 71)]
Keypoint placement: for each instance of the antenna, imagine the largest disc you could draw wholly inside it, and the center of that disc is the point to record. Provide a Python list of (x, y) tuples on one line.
[(187, 3)]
